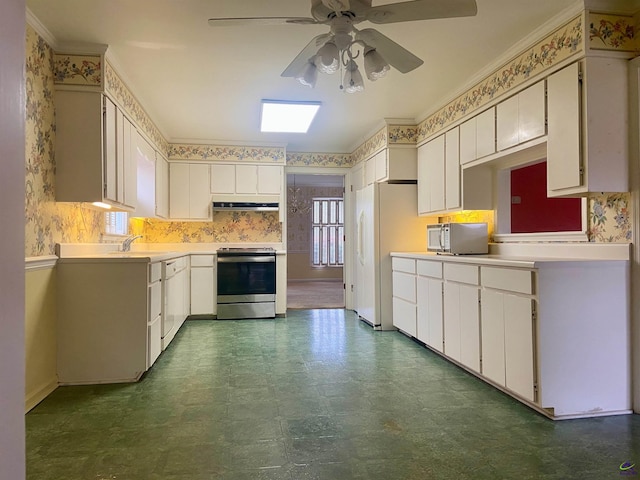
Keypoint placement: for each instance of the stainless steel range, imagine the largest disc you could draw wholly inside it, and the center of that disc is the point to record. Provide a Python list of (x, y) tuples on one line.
[(246, 283)]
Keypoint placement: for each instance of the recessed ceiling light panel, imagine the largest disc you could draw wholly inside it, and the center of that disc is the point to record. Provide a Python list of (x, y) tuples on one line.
[(290, 117)]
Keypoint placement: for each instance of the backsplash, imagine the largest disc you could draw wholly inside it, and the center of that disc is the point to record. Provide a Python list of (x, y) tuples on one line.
[(610, 218), (47, 222), (471, 216), (233, 227)]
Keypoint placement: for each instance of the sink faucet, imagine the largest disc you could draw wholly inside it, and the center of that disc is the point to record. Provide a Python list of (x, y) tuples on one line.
[(126, 245)]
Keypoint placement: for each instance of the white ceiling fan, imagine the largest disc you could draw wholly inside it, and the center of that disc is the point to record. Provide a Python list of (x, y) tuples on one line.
[(337, 49)]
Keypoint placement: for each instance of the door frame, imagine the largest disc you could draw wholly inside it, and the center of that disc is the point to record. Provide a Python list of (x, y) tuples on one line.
[(347, 272)]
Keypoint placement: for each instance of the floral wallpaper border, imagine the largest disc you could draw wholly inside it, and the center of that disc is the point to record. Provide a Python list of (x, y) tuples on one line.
[(612, 32), (370, 146), (183, 151), (403, 134), (304, 159), (83, 70), (560, 45), (119, 91)]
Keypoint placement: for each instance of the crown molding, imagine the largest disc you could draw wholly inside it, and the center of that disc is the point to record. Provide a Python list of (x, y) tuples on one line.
[(40, 29), (522, 45)]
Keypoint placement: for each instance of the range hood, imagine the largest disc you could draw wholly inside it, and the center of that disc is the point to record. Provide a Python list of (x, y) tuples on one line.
[(255, 203)]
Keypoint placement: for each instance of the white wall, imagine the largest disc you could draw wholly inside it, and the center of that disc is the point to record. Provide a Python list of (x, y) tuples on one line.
[(12, 165)]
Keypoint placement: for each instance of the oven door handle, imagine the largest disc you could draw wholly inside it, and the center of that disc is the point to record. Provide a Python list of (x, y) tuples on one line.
[(247, 259)]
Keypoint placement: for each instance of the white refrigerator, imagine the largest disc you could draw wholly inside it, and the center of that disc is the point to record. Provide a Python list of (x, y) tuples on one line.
[(387, 221)]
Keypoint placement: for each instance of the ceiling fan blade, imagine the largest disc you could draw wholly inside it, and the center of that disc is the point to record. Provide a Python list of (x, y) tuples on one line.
[(421, 10), (298, 63), (397, 56), (256, 21)]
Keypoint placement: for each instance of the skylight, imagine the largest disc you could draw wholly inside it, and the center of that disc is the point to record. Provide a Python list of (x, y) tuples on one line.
[(290, 117)]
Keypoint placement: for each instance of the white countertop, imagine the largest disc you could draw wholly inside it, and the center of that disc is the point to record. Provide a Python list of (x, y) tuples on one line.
[(532, 255)]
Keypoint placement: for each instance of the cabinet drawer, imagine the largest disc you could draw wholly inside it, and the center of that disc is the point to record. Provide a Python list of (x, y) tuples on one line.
[(155, 300), (428, 268), (512, 280), (155, 272), (407, 265), (461, 273), (202, 260), (404, 286)]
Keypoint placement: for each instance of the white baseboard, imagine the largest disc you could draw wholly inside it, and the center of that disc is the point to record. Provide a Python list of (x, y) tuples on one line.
[(34, 398)]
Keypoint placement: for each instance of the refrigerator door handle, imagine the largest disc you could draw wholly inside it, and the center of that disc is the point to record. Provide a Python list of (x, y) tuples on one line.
[(360, 244)]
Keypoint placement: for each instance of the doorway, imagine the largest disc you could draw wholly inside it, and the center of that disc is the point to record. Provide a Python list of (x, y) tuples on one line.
[(315, 241)]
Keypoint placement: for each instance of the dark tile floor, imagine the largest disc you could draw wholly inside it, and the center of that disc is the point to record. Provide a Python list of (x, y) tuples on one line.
[(318, 395)]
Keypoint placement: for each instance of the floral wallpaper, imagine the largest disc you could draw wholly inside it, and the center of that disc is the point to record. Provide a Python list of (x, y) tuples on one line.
[(179, 151), (610, 218), (232, 227), (299, 224), (403, 134), (77, 69), (302, 159), (471, 216), (612, 32), (558, 46), (47, 222)]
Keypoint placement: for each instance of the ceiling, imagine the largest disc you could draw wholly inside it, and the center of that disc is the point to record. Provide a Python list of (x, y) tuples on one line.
[(204, 84)]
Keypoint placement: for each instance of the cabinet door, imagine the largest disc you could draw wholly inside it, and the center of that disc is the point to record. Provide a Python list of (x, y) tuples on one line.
[(130, 165), (203, 295), (404, 316), (452, 169), (162, 187), (519, 345), (223, 178), (144, 157), (246, 179), (120, 156), (110, 151), (357, 176), (492, 336), (468, 141), (435, 169), (270, 179), (199, 195), (422, 309), (423, 181), (452, 312), (563, 140), (370, 171), (429, 312), (381, 166), (470, 327), (179, 190), (532, 112), (486, 133), (507, 123)]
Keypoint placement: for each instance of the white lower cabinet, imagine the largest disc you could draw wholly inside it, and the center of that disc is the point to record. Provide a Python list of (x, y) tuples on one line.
[(429, 289), (404, 295), (462, 315), (203, 285), (530, 331), (154, 320)]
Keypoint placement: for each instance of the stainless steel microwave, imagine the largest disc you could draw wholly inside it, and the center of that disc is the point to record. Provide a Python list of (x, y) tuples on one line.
[(458, 238)]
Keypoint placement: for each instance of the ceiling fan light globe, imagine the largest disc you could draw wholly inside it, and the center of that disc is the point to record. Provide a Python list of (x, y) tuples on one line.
[(327, 58), (375, 66), (353, 81), (309, 75)]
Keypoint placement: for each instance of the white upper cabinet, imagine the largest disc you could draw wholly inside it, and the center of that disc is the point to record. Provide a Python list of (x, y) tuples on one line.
[(391, 163), (145, 159), (189, 195), (521, 118), (478, 136), (162, 186), (587, 149), (98, 165), (439, 174), (230, 179)]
